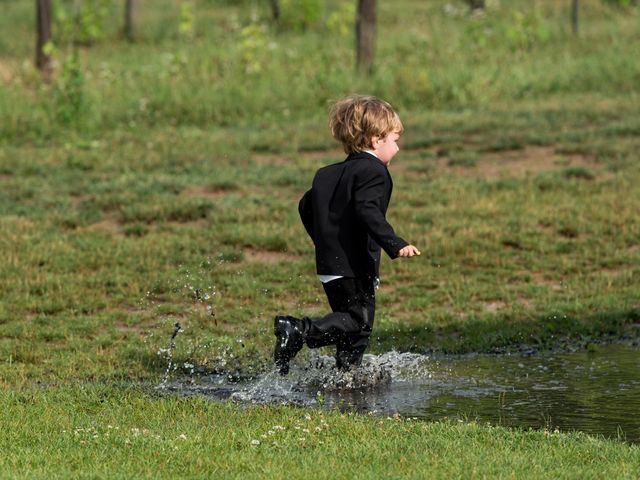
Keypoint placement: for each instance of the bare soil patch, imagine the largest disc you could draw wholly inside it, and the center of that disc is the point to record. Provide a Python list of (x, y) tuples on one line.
[(539, 278), (6, 72), (108, 224), (267, 256), (206, 192), (493, 307), (530, 160)]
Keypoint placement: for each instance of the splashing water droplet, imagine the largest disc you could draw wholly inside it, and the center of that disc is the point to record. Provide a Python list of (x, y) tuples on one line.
[(169, 353)]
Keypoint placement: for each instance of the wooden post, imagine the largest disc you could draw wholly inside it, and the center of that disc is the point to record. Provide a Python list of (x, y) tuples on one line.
[(475, 4), (43, 37), (275, 9), (574, 16), (129, 15), (365, 35)]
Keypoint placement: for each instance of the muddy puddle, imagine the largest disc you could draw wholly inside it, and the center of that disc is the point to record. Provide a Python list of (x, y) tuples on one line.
[(597, 392)]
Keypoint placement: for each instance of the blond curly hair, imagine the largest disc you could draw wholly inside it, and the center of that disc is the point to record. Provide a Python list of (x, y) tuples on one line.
[(355, 119)]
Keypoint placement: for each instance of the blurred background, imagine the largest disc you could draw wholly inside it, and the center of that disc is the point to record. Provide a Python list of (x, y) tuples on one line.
[(275, 64)]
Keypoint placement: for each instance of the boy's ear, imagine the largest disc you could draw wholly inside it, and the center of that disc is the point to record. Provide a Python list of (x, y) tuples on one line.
[(374, 141)]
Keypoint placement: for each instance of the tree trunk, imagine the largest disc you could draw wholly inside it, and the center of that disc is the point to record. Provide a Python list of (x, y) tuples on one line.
[(43, 30), (129, 14), (366, 35), (475, 4), (275, 8), (574, 16)]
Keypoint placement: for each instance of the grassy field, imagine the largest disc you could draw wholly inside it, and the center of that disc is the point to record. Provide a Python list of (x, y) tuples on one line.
[(157, 182), (101, 433)]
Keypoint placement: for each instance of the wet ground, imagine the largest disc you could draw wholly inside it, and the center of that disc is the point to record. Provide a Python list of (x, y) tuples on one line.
[(597, 391)]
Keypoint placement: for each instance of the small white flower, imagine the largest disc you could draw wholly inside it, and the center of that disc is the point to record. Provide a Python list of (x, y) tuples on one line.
[(182, 436), (255, 443), (305, 430)]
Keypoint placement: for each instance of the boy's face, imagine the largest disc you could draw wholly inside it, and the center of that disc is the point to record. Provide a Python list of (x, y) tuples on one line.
[(386, 148)]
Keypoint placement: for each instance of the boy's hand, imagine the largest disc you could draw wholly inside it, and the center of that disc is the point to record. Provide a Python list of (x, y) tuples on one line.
[(408, 251)]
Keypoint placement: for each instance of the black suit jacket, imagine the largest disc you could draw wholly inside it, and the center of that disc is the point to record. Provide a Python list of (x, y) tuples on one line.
[(344, 214)]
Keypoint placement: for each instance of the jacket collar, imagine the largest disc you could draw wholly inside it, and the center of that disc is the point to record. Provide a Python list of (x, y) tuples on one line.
[(364, 155)]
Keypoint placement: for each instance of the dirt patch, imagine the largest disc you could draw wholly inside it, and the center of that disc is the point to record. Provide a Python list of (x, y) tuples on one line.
[(493, 307), (76, 201), (539, 278), (206, 192), (615, 272), (108, 224), (6, 72), (267, 256), (16, 224), (530, 160)]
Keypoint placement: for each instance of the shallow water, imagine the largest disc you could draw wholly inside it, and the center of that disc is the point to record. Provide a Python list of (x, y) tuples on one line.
[(594, 392)]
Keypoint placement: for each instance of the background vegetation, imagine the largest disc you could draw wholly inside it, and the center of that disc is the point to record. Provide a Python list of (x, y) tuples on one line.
[(156, 182)]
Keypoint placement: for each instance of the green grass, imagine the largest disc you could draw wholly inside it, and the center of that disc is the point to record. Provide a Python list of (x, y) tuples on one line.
[(171, 196), (123, 433)]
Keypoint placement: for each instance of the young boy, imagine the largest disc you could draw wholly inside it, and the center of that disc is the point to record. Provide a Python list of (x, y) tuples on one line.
[(344, 214)]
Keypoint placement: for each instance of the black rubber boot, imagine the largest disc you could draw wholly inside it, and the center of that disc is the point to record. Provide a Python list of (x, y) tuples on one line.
[(289, 332), (347, 360)]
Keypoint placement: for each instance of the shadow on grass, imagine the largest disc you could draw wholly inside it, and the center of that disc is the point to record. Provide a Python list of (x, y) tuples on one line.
[(499, 335)]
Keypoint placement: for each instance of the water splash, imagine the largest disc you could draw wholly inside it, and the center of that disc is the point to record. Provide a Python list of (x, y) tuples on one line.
[(177, 328), (310, 383)]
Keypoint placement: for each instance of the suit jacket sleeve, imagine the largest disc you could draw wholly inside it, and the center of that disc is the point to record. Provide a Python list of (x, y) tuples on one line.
[(369, 193), (306, 213)]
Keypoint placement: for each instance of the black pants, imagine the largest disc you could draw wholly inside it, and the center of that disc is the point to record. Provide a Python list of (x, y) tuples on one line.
[(348, 327)]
